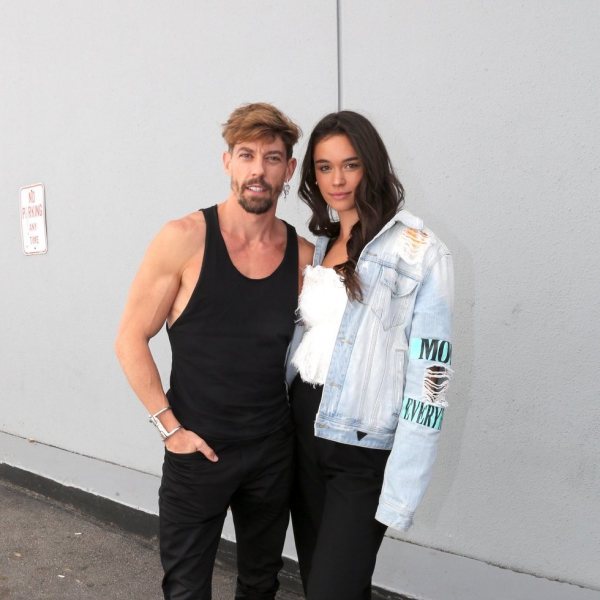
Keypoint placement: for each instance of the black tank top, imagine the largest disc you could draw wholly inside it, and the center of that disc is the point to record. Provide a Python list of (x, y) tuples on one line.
[(229, 345)]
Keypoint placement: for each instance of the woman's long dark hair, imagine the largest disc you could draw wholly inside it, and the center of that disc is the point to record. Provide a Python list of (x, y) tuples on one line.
[(379, 196)]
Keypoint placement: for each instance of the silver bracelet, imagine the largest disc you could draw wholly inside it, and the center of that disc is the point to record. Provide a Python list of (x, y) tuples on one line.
[(170, 433), (164, 434)]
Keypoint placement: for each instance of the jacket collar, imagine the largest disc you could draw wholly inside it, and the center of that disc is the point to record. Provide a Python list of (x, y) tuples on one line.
[(410, 220)]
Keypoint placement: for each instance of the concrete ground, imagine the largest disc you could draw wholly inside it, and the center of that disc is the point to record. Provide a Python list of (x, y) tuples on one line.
[(51, 551)]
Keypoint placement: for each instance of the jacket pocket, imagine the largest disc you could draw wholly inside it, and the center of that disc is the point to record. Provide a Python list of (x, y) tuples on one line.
[(392, 297)]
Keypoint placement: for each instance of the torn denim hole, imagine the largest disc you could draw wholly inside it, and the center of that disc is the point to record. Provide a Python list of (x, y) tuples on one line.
[(413, 243), (435, 384)]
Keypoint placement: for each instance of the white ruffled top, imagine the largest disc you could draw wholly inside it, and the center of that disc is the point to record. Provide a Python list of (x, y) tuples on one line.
[(321, 305)]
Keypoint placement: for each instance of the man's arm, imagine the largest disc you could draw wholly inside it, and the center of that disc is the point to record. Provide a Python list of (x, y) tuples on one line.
[(150, 302)]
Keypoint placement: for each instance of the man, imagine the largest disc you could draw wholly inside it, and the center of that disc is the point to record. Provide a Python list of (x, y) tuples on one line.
[(226, 282)]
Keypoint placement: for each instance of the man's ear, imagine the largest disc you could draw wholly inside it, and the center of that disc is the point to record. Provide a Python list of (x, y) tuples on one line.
[(226, 161), (291, 167)]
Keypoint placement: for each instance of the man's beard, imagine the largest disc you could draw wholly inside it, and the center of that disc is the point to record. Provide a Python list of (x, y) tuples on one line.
[(257, 205)]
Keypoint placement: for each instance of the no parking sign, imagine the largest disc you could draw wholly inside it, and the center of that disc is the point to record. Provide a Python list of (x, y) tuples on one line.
[(33, 219)]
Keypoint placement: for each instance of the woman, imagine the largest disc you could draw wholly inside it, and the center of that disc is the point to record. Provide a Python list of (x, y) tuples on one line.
[(370, 359)]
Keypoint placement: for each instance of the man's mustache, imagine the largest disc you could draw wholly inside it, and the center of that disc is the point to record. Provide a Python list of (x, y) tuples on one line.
[(259, 181)]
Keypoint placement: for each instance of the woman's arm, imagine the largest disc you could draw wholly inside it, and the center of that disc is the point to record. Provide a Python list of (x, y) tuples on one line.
[(427, 374)]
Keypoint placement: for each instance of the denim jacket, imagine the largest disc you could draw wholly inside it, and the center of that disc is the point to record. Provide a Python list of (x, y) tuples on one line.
[(390, 367)]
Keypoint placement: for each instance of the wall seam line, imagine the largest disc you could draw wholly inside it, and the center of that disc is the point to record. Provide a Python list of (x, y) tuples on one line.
[(339, 54), (75, 453)]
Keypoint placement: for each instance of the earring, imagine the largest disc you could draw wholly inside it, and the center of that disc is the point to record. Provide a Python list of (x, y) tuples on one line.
[(286, 189)]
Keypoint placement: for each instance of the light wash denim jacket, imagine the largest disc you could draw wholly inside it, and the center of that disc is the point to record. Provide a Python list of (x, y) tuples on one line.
[(390, 368)]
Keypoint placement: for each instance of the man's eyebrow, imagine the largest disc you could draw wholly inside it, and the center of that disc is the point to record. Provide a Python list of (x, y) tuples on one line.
[(269, 153)]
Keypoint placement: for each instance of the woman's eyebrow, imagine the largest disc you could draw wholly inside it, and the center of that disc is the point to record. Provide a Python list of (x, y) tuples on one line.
[(324, 160)]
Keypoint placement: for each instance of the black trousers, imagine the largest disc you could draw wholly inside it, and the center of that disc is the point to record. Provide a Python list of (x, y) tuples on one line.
[(334, 500), (254, 479)]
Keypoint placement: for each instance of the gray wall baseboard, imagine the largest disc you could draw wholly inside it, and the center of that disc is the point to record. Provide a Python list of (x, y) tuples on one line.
[(141, 523)]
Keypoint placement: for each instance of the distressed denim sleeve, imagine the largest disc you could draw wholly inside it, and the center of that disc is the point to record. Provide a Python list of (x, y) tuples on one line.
[(428, 371)]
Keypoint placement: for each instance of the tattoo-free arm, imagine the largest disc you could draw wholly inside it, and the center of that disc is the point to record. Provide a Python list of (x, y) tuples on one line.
[(149, 304)]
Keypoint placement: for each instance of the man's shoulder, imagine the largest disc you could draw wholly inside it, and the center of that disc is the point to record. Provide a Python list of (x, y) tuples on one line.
[(305, 245), (179, 239), (190, 228), (190, 224), (306, 251)]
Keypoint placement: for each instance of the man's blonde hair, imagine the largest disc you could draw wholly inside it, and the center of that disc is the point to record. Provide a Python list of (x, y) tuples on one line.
[(251, 122)]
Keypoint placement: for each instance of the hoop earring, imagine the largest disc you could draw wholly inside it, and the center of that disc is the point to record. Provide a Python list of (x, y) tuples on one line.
[(286, 189)]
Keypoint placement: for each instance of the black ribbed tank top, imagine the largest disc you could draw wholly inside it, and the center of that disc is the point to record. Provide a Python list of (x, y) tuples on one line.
[(229, 345)]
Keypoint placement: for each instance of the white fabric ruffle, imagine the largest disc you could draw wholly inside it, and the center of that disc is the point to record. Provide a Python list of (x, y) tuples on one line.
[(321, 305)]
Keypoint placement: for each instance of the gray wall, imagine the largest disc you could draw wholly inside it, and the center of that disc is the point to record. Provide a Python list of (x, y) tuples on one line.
[(491, 112), (117, 107)]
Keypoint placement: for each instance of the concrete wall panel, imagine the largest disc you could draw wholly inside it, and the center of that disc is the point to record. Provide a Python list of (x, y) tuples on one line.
[(491, 113), (117, 108)]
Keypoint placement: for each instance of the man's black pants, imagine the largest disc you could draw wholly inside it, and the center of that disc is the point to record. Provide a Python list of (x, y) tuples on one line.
[(253, 478)]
